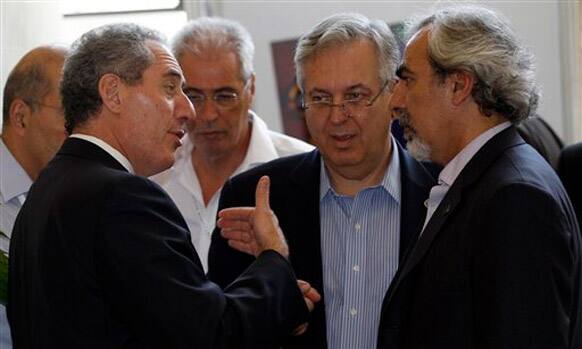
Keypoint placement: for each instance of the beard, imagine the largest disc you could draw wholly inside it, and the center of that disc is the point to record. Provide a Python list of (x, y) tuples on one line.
[(415, 146)]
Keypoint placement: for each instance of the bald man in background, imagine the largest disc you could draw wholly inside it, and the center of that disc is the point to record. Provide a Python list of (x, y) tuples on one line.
[(33, 130)]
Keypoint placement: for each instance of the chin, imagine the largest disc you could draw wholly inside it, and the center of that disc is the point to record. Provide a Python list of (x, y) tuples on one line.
[(418, 149)]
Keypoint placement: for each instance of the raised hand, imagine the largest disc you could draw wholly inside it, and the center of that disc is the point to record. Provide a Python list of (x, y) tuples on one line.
[(253, 229)]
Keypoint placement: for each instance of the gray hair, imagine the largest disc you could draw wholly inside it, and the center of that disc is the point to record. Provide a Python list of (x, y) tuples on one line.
[(344, 28), (211, 33), (29, 80), (119, 49), (481, 42)]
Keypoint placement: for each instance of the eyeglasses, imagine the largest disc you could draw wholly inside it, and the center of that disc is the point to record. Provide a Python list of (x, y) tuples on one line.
[(351, 106), (224, 100)]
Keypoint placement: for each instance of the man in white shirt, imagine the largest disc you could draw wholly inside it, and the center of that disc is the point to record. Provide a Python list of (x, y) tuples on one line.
[(33, 130), (498, 263), (227, 138)]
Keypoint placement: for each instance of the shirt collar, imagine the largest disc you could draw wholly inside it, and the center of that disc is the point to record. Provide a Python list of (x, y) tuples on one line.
[(261, 148), (14, 181), (390, 181), (452, 170), (109, 149)]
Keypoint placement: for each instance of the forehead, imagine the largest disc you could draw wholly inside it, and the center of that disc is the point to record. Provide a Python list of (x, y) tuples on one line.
[(341, 66), (416, 51), (211, 69), (164, 63)]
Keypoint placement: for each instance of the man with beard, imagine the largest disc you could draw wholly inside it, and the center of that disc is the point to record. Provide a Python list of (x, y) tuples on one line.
[(498, 263)]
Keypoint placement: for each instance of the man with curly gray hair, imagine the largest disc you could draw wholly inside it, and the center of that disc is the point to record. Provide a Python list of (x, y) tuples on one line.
[(498, 263)]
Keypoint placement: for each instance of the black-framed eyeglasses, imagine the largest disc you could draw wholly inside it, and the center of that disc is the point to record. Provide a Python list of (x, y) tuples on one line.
[(350, 106)]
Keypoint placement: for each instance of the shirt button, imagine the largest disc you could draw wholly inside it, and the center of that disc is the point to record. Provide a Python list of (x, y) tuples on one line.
[(357, 226), (353, 312), (356, 268)]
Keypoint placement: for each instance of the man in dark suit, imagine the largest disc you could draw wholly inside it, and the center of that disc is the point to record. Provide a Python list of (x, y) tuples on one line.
[(101, 257), (350, 208), (497, 264), (570, 172)]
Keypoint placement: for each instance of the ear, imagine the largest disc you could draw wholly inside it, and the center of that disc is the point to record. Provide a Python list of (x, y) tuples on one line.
[(462, 84), (109, 90), (252, 88), (19, 113)]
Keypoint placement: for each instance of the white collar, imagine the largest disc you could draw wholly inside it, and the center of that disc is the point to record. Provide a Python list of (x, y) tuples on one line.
[(14, 181), (116, 154), (261, 148), (452, 170)]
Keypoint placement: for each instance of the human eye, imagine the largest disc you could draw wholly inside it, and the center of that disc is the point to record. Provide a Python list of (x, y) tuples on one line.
[(320, 99), (194, 97), (354, 96), (171, 88), (225, 97)]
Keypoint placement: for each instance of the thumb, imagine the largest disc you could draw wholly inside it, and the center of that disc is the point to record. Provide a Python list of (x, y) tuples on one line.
[(262, 194)]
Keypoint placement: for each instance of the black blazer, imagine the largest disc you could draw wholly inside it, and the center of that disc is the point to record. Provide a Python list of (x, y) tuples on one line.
[(295, 201), (101, 258), (570, 172), (498, 265)]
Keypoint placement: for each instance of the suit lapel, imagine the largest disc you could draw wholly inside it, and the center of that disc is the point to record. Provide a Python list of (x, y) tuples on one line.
[(469, 175)]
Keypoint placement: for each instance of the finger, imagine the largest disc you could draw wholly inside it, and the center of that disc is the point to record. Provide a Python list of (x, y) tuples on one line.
[(309, 303), (300, 330), (241, 246), (233, 224), (240, 213), (236, 235), (313, 295), (262, 194), (304, 286)]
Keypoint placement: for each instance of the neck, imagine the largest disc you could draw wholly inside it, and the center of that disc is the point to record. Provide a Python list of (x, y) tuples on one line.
[(214, 170), (25, 159), (465, 134), (352, 180)]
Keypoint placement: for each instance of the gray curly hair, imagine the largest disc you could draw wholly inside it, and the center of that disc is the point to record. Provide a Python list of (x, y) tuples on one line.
[(481, 42)]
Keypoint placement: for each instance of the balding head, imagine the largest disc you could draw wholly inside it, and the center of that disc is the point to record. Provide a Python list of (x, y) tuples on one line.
[(31, 79), (33, 117)]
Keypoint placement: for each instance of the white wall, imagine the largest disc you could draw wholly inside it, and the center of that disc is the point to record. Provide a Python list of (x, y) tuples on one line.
[(535, 22), (29, 24)]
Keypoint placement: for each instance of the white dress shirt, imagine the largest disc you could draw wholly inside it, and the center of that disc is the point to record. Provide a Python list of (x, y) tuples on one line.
[(452, 170), (183, 186)]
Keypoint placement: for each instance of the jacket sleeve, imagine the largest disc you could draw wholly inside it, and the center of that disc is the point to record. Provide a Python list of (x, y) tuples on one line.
[(154, 282), (224, 262)]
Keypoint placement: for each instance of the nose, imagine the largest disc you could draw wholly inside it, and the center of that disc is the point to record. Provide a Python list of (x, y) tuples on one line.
[(185, 111), (208, 111), (398, 99), (338, 113)]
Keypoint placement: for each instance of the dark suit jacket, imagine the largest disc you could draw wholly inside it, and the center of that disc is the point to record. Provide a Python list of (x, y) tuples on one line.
[(101, 258), (498, 264), (295, 201), (570, 172)]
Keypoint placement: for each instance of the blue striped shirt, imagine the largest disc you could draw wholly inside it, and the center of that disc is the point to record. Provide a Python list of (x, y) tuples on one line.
[(360, 239)]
